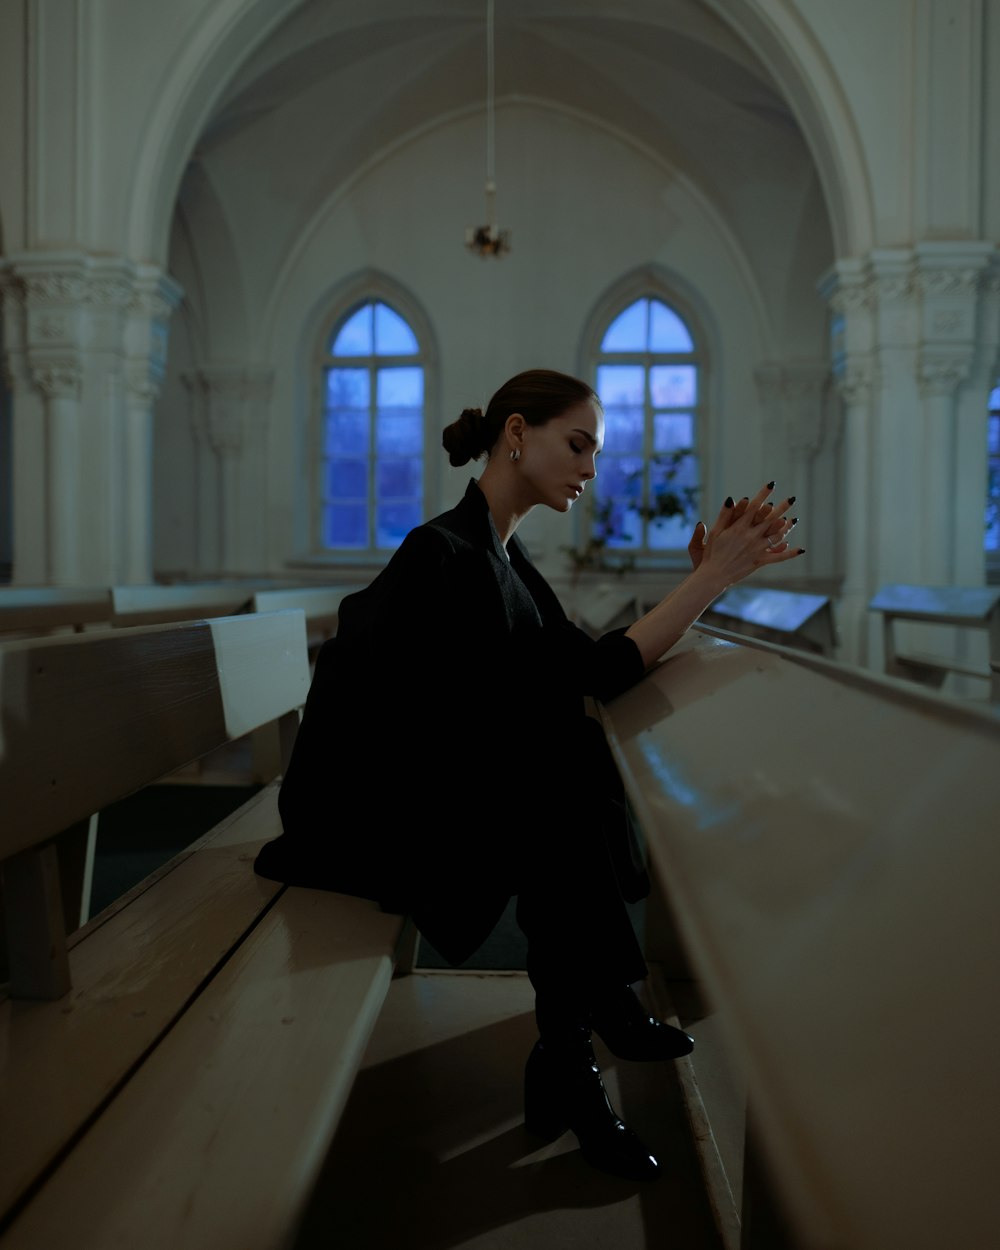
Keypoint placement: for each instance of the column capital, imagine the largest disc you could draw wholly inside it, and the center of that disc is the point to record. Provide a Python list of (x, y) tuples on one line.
[(858, 381), (230, 407), (942, 371), (57, 378)]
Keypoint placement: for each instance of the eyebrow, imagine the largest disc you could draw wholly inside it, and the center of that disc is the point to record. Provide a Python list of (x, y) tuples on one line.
[(588, 436)]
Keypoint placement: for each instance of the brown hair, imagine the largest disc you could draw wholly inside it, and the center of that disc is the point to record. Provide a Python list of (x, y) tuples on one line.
[(538, 395)]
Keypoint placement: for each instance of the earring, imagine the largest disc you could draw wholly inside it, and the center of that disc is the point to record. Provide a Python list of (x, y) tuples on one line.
[(515, 455)]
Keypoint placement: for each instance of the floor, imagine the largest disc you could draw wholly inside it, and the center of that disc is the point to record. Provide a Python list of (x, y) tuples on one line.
[(432, 1152)]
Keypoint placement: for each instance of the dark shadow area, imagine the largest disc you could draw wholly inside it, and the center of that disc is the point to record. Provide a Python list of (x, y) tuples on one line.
[(139, 834), (506, 949), (432, 1153)]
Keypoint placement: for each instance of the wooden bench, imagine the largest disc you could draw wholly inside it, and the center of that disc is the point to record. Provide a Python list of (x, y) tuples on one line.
[(964, 607), (827, 840), (789, 617), (321, 605), (159, 605), (36, 609), (173, 1073)]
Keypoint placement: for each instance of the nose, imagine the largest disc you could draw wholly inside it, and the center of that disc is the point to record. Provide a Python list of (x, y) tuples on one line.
[(590, 471)]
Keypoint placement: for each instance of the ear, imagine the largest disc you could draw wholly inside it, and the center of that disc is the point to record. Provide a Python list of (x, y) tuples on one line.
[(513, 429)]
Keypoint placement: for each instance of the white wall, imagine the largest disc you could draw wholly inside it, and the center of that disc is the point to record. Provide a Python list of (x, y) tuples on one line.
[(585, 208)]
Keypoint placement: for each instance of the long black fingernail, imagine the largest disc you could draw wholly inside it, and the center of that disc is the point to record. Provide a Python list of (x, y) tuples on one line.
[(770, 486), (795, 520), (745, 499), (802, 551), (729, 501), (791, 500)]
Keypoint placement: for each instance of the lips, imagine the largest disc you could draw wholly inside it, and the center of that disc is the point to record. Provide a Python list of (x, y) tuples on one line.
[(577, 490)]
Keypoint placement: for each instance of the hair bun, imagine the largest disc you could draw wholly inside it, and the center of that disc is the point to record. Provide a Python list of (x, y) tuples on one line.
[(466, 439)]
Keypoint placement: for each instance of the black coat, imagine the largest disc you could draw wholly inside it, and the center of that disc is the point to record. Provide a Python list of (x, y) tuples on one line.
[(445, 733)]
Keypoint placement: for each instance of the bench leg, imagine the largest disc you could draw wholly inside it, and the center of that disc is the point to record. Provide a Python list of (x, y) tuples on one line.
[(36, 926), (406, 950)]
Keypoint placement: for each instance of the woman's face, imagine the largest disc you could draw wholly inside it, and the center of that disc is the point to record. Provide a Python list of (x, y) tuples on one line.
[(558, 458)]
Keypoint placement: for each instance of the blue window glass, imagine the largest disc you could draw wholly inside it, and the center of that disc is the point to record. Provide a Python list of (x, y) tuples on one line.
[(991, 541), (648, 378), (355, 337), (393, 337), (372, 431)]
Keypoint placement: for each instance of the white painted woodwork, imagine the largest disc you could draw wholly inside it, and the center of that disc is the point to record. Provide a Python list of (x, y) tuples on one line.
[(783, 616), (321, 604), (188, 601), (828, 842), (215, 1141), (133, 970), (964, 607), (82, 728)]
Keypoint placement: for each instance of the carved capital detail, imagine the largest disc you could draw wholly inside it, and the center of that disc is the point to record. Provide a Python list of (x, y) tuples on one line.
[(142, 389), (849, 299), (942, 372), (57, 379), (857, 382), (955, 281), (893, 288), (229, 406), (54, 286)]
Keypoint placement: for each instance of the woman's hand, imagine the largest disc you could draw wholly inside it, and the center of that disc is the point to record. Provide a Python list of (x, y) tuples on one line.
[(747, 535)]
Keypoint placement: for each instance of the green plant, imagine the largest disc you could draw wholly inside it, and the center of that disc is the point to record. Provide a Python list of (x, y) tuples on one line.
[(668, 501)]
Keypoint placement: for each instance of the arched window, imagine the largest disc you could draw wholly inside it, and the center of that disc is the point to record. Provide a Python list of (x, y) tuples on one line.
[(992, 540), (372, 460), (648, 378)]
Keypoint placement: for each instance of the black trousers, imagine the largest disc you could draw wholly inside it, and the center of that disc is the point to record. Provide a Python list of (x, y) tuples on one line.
[(571, 908)]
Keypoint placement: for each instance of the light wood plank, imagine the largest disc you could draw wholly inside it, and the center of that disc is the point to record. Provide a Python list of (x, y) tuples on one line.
[(24, 608), (216, 1140), (158, 605), (132, 973), (828, 841), (82, 728)]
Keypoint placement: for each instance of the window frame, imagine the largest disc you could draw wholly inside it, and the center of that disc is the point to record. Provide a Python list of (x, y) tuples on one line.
[(622, 297), (366, 289)]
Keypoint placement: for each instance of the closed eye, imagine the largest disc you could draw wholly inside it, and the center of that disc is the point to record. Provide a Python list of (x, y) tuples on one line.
[(576, 450)]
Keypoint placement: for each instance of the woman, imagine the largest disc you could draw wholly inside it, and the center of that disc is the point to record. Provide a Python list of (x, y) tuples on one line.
[(445, 762)]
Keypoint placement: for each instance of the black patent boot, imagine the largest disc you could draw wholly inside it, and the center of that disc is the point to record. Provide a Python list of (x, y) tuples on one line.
[(563, 1090), (630, 1032)]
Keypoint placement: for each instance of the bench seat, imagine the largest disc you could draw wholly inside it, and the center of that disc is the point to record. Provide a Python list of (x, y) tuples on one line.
[(230, 1050), (172, 1073)]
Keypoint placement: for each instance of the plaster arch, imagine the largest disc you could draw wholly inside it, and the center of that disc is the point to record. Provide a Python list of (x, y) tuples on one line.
[(229, 32), (786, 45), (216, 284), (232, 29)]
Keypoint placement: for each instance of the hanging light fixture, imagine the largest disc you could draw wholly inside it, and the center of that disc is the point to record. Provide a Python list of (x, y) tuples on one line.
[(489, 240)]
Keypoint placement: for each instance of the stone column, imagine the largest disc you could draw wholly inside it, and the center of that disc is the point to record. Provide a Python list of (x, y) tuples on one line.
[(59, 382), (230, 416), (793, 396), (153, 300), (907, 354), (81, 478), (854, 374), (954, 281)]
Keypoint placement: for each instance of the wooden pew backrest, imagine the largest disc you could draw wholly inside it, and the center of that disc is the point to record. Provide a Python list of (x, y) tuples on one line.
[(87, 719), (26, 609), (157, 605)]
